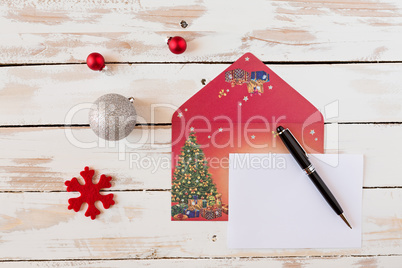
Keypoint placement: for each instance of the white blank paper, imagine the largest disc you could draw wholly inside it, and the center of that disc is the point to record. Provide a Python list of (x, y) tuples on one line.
[(273, 203)]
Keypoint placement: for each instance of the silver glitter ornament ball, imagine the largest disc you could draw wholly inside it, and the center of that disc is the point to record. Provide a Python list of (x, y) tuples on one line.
[(112, 117)]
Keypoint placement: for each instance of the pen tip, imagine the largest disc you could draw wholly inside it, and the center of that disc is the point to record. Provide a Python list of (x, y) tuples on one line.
[(345, 220)]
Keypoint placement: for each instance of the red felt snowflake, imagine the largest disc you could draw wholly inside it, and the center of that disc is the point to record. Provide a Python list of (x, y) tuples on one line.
[(89, 193)]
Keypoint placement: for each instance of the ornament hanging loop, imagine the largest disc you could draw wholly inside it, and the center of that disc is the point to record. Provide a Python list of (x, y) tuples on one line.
[(107, 71)]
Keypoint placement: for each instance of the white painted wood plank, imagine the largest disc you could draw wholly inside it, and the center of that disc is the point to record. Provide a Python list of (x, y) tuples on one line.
[(67, 31), (41, 159), (363, 92), (282, 262), (39, 226)]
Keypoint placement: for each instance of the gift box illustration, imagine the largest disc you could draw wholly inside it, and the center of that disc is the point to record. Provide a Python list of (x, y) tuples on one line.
[(237, 112), (225, 209), (202, 203), (208, 213), (237, 77), (193, 201), (255, 85), (192, 212), (218, 212), (259, 76)]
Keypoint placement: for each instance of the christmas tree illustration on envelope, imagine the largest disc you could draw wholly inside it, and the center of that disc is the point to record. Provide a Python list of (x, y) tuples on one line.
[(237, 112)]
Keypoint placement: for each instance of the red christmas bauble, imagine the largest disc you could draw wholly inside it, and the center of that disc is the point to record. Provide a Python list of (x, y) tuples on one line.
[(95, 61), (177, 44)]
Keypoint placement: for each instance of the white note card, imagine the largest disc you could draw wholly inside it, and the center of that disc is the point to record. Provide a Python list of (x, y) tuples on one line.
[(273, 203)]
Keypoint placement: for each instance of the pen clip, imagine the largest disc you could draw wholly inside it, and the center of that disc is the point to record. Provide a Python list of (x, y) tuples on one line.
[(297, 142)]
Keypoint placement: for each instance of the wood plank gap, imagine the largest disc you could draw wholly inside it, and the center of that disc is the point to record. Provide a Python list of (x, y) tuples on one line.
[(102, 191), (365, 123), (208, 258), (45, 126), (170, 124), (204, 62), (73, 125), (163, 190), (382, 187)]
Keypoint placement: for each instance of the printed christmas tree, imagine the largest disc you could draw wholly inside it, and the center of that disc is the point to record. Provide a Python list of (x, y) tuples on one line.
[(191, 177)]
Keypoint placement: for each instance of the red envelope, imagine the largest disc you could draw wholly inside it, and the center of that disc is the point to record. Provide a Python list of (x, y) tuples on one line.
[(237, 112)]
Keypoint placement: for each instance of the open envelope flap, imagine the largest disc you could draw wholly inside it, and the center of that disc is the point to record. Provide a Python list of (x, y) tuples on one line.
[(238, 112)]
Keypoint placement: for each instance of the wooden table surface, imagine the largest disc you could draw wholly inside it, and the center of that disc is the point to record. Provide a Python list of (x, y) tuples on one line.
[(343, 56)]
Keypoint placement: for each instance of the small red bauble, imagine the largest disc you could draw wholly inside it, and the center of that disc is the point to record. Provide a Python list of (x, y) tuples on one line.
[(95, 61), (177, 44)]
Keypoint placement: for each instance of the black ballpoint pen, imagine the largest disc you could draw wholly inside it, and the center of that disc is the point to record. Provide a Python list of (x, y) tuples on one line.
[(301, 158)]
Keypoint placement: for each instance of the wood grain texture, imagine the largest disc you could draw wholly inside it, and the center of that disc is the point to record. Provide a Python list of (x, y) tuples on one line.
[(281, 262), (46, 157), (52, 31), (39, 226), (363, 92), (37, 229)]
